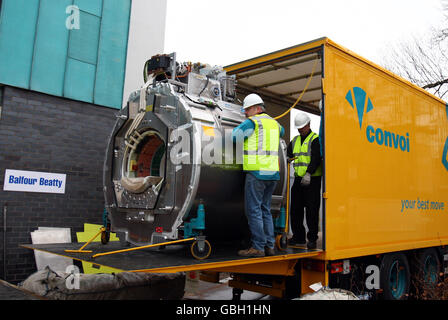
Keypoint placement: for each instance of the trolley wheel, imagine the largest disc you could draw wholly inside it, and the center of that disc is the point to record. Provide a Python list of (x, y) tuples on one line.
[(281, 241), (201, 251), (105, 236)]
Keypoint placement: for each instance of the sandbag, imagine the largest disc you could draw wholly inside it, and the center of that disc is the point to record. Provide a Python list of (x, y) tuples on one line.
[(330, 294), (120, 286)]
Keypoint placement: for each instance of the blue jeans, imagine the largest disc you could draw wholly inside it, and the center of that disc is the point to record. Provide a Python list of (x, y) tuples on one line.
[(258, 195)]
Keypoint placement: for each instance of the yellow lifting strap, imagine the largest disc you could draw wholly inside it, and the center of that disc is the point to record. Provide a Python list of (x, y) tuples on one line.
[(81, 250), (142, 247), (303, 92)]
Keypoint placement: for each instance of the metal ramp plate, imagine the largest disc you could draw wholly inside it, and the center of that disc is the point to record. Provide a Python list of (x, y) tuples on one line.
[(177, 258)]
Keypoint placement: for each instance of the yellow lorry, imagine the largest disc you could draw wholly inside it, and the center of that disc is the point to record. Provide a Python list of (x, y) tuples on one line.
[(384, 221), (385, 181)]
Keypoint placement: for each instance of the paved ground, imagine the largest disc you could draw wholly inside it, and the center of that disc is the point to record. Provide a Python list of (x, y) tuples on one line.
[(199, 290), (203, 290)]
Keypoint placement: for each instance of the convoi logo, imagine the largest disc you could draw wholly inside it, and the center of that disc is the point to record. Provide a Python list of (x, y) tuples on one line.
[(362, 104), (445, 155)]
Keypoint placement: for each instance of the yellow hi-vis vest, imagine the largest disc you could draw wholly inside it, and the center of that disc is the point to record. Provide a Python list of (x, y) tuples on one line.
[(260, 151), (302, 153)]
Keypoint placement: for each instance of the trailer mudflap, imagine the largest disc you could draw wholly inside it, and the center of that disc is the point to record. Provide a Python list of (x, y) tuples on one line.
[(177, 258)]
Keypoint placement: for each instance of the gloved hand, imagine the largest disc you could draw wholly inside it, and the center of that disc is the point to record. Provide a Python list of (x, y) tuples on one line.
[(306, 180)]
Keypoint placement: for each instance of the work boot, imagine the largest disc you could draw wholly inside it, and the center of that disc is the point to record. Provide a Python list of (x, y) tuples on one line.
[(311, 245), (251, 252), (295, 243), (269, 251)]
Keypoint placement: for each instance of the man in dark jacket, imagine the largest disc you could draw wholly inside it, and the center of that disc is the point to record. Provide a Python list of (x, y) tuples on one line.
[(305, 193)]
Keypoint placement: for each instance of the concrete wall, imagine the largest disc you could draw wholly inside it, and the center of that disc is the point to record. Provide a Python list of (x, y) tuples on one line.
[(146, 38), (39, 132)]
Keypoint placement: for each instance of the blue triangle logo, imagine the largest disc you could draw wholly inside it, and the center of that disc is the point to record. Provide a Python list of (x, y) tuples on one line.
[(445, 149), (445, 155), (359, 101)]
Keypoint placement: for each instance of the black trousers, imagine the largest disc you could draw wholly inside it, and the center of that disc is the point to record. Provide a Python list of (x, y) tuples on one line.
[(301, 198)]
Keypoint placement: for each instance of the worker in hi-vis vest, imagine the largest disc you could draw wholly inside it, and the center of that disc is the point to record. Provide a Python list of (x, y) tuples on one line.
[(305, 193), (261, 135)]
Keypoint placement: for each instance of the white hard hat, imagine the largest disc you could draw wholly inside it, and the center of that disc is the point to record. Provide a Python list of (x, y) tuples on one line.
[(252, 100), (301, 120)]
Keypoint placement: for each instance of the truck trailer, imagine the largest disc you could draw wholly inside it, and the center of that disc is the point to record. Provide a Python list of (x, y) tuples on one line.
[(384, 216), (385, 180)]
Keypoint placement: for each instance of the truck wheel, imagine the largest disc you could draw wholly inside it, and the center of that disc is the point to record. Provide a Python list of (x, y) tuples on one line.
[(395, 276), (425, 271), (201, 251)]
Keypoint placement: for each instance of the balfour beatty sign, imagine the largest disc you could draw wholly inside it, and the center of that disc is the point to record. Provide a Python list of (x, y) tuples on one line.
[(33, 181)]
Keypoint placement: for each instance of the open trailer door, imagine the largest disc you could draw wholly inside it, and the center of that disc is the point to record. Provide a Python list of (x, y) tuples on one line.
[(286, 78)]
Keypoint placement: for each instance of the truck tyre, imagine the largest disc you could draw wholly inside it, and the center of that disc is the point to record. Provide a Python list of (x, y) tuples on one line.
[(425, 271), (395, 276)]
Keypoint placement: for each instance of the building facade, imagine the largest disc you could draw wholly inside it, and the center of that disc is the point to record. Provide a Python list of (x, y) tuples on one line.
[(66, 66)]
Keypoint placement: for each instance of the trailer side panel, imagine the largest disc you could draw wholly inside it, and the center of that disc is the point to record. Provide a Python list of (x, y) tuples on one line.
[(386, 181)]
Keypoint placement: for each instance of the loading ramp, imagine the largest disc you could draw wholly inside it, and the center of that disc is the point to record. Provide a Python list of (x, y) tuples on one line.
[(177, 258)]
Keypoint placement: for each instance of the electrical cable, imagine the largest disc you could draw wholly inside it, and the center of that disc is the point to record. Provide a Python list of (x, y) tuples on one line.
[(301, 95), (205, 86)]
